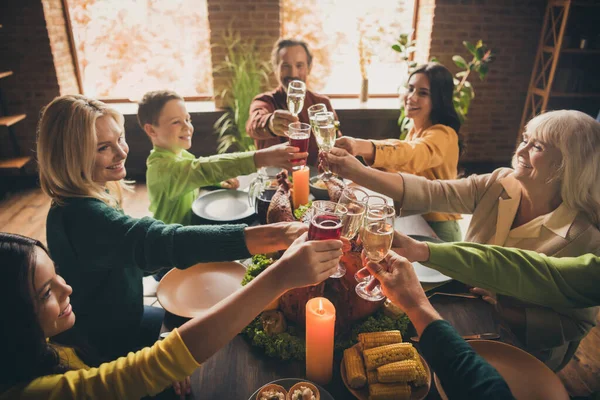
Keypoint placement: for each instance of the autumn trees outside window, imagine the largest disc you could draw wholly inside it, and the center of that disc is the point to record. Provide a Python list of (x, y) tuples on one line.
[(128, 47)]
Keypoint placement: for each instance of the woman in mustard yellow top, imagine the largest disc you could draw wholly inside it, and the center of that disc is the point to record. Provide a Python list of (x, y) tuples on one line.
[(431, 148), (35, 305)]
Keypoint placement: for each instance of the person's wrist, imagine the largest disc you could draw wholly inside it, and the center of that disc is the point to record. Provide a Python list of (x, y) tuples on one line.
[(270, 128), (258, 159), (420, 252), (422, 314)]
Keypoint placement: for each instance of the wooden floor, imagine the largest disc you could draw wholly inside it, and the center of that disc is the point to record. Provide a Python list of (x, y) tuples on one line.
[(25, 212)]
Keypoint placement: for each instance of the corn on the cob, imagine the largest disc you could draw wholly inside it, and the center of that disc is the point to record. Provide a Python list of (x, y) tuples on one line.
[(376, 339), (355, 368), (390, 353), (422, 376), (399, 371), (372, 377), (395, 391)]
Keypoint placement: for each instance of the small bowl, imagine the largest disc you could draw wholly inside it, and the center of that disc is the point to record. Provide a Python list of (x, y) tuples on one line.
[(272, 386), (319, 193), (312, 387)]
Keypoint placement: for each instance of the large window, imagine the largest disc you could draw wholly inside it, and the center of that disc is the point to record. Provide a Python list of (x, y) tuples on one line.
[(336, 30), (128, 47)]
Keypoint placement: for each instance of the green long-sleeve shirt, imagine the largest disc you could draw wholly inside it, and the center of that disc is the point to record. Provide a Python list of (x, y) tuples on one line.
[(526, 275), (103, 254), (173, 179), (462, 372)]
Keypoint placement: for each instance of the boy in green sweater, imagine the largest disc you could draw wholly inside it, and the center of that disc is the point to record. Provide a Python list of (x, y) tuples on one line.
[(174, 175)]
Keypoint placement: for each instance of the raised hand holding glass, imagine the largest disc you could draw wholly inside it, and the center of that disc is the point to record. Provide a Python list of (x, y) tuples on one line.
[(376, 237)]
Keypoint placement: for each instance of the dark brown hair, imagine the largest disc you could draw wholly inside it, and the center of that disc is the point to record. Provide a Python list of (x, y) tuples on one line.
[(282, 44), (151, 105)]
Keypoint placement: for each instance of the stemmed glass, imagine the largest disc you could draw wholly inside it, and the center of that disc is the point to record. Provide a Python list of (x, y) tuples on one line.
[(299, 134), (376, 237), (324, 130), (326, 222), (355, 200), (295, 97)]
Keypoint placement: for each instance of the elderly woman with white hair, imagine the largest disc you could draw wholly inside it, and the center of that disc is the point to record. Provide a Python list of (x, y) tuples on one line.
[(548, 202)]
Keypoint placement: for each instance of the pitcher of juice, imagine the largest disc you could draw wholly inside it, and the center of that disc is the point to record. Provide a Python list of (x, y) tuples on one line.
[(261, 190)]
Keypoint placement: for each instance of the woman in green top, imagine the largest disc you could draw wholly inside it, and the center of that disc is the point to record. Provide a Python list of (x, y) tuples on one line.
[(104, 253)]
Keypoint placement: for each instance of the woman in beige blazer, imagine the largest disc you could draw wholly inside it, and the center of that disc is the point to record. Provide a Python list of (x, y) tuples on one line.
[(549, 202)]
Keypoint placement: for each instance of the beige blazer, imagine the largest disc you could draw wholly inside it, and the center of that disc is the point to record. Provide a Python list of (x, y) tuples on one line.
[(551, 334)]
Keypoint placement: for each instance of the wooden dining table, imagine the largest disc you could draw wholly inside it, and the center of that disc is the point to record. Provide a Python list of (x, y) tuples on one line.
[(238, 369)]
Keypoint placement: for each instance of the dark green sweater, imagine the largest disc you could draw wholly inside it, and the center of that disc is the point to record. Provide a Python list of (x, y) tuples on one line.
[(462, 372), (103, 254)]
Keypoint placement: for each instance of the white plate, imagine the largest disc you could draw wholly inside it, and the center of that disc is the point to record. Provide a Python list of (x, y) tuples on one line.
[(191, 292), (428, 275), (223, 205)]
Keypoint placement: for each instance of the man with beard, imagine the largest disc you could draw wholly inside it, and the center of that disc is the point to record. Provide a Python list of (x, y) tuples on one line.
[(269, 117)]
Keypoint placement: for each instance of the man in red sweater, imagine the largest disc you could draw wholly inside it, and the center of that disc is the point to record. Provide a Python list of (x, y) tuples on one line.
[(269, 117)]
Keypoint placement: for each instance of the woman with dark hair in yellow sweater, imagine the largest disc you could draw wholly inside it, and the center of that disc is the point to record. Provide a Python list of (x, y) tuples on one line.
[(431, 148), (35, 306)]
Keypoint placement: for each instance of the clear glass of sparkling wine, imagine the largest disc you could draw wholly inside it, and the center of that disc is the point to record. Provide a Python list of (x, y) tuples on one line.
[(376, 237), (324, 129), (355, 201), (295, 97)]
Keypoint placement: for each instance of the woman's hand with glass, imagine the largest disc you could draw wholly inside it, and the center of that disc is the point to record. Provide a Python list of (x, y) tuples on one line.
[(342, 163), (326, 222), (357, 147)]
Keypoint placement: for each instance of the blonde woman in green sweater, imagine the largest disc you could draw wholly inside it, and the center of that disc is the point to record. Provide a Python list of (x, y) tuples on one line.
[(104, 253), (36, 302)]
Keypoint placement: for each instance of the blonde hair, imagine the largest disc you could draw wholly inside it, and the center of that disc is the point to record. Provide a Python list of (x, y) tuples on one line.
[(66, 150), (577, 136)]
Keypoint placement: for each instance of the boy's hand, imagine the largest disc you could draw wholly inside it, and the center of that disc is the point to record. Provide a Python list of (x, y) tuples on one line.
[(279, 121), (309, 262), (232, 183), (280, 156)]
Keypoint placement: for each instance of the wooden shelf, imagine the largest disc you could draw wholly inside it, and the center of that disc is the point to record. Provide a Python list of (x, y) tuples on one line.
[(10, 120), (4, 74), (550, 49), (14, 163)]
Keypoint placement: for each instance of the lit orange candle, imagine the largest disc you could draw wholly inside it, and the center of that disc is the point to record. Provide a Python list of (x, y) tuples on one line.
[(300, 195), (320, 326)]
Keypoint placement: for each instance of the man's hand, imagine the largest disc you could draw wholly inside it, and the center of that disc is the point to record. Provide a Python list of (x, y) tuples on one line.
[(401, 286), (279, 121), (280, 156), (357, 147)]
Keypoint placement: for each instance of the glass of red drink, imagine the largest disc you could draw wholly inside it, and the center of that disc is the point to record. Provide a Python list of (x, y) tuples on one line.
[(299, 135), (327, 223)]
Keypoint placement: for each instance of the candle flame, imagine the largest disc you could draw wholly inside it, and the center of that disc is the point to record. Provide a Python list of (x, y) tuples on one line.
[(320, 310)]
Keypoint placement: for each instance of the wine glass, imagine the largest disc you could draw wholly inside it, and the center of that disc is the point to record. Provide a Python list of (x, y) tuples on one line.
[(299, 134), (314, 110), (322, 226), (324, 130), (376, 237), (295, 97)]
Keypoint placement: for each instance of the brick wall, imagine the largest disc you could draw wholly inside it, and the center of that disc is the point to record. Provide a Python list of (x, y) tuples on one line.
[(512, 27), (61, 49), (25, 49), (255, 19)]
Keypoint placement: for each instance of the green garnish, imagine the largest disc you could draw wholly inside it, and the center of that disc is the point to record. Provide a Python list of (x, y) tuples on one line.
[(301, 210), (260, 262)]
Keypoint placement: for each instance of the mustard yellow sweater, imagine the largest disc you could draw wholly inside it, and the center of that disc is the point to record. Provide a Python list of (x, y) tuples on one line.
[(431, 153), (146, 372)]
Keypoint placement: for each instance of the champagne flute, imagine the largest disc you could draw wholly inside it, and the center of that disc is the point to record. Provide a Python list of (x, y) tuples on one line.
[(339, 211), (324, 130), (313, 111), (376, 237), (299, 134), (295, 97)]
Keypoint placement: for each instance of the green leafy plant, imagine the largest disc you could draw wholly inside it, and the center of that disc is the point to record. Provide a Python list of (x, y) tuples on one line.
[(463, 90), (247, 75), (405, 46)]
